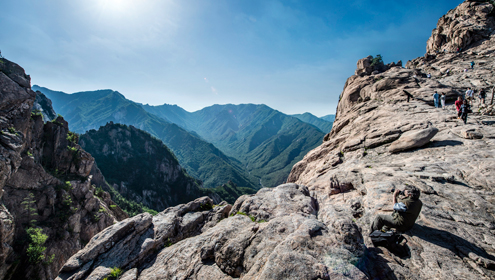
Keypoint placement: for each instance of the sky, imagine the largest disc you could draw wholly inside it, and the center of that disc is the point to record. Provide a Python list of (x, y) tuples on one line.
[(292, 55)]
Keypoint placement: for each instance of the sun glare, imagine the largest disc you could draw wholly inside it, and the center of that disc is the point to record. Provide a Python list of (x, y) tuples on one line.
[(116, 6)]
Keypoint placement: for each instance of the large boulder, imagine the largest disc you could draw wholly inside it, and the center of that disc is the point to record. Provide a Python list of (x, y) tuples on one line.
[(413, 139)]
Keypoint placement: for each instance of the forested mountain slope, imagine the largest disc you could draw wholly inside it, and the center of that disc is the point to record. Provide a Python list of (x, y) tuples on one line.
[(202, 160), (266, 141)]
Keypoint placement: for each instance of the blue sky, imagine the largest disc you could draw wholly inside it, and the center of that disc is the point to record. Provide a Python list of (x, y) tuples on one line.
[(292, 55)]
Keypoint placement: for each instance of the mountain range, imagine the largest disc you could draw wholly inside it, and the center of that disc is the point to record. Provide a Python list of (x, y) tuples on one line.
[(266, 141), (250, 145)]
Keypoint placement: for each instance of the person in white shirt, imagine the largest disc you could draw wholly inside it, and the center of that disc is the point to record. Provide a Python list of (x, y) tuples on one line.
[(469, 95)]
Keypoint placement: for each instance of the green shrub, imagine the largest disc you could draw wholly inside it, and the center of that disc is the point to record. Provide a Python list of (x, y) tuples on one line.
[(37, 113), (377, 60), (148, 210), (29, 204), (72, 149), (72, 137), (36, 250), (115, 273), (67, 200), (168, 243), (12, 130), (96, 218), (99, 192), (67, 186), (250, 217), (206, 206)]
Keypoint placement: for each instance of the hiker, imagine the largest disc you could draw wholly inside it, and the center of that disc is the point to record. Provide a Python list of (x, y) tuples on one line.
[(464, 111), (469, 95), (472, 64), (458, 105), (442, 100), (406, 211), (428, 76), (482, 96), (436, 97)]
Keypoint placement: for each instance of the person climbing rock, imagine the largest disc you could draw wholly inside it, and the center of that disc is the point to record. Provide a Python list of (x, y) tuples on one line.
[(464, 111), (458, 105), (442, 100), (436, 97), (472, 64), (406, 211)]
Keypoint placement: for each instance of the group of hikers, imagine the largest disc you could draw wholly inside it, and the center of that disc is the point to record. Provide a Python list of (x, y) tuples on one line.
[(462, 104)]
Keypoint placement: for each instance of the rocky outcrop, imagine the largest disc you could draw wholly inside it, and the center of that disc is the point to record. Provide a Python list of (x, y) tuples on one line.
[(277, 237), (370, 65), (135, 242), (44, 183), (42, 105), (16, 100), (388, 134), (468, 25)]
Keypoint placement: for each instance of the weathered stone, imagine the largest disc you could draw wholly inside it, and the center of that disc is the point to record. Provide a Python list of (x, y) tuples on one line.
[(469, 24), (289, 198), (29, 151), (43, 106), (413, 139), (471, 134)]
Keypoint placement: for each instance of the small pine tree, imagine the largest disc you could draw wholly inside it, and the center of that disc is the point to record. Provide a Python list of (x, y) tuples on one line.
[(377, 60), (36, 250), (28, 205)]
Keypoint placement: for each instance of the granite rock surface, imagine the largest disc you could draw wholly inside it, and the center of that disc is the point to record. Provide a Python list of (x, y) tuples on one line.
[(44, 184)]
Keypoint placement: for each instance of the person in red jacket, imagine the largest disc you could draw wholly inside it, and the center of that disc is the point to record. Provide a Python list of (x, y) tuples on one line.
[(458, 105)]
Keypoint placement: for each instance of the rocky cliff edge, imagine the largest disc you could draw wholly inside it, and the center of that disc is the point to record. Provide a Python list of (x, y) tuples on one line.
[(44, 185)]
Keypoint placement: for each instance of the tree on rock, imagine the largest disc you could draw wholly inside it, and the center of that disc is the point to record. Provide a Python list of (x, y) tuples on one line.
[(377, 60)]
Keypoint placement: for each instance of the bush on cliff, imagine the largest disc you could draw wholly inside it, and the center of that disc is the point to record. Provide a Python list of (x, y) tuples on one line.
[(36, 250)]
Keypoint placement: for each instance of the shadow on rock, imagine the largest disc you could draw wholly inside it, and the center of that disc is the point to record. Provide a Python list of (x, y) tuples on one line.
[(445, 143), (375, 266), (454, 243)]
